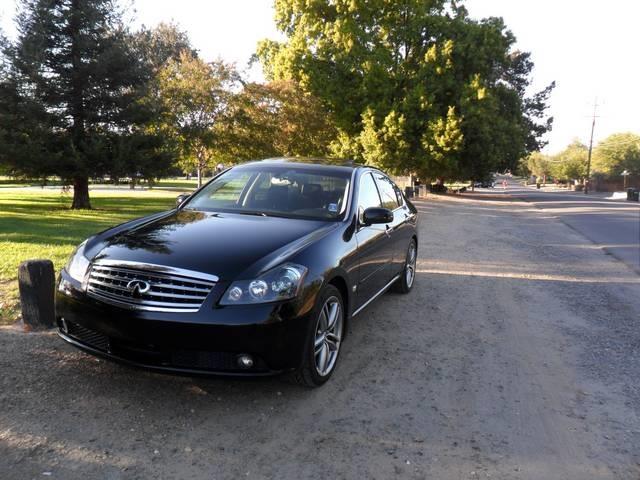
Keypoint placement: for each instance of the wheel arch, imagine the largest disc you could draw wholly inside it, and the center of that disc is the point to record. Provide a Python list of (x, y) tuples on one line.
[(339, 281)]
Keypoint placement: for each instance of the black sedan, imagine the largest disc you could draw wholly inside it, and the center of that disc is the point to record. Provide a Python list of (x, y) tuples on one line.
[(258, 272)]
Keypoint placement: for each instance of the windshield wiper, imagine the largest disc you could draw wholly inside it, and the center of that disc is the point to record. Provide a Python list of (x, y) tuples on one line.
[(250, 212), (261, 214)]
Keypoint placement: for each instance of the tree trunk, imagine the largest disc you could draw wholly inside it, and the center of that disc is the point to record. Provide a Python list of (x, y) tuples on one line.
[(81, 193), (76, 105), (199, 176)]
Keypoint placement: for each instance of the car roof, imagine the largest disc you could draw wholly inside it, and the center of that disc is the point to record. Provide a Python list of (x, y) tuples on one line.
[(337, 163)]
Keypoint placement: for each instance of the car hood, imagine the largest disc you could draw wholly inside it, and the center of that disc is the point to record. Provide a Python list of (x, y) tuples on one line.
[(227, 245)]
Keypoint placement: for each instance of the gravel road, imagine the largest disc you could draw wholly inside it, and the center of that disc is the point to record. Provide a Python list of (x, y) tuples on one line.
[(516, 356)]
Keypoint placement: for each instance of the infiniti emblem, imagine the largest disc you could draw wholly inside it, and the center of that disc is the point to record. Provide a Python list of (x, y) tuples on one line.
[(138, 287)]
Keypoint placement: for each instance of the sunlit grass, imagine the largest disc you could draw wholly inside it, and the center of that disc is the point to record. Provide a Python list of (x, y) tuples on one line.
[(40, 224), (178, 183), (165, 183)]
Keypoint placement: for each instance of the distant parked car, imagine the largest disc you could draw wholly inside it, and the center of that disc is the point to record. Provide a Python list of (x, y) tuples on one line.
[(437, 188), (485, 184)]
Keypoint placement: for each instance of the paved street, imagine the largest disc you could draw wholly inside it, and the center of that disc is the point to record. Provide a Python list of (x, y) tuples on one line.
[(516, 356), (613, 225)]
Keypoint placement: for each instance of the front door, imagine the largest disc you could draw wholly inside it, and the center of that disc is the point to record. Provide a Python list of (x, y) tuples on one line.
[(375, 247), (399, 230)]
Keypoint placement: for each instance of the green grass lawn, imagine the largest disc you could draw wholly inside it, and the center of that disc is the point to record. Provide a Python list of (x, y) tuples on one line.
[(170, 183), (178, 183), (36, 224)]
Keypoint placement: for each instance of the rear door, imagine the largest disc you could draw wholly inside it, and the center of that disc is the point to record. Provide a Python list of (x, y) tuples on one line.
[(375, 248), (399, 230)]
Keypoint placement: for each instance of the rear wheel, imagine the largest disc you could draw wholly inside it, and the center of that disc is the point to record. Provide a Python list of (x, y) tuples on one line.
[(404, 284), (324, 340)]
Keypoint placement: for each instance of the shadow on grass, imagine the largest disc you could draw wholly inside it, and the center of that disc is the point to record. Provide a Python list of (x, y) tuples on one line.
[(42, 225), (47, 219)]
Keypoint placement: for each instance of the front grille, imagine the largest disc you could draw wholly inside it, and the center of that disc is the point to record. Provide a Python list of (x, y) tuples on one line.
[(166, 291), (92, 338)]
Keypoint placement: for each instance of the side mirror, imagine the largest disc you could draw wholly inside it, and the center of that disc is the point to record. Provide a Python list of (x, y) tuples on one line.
[(181, 198), (376, 215)]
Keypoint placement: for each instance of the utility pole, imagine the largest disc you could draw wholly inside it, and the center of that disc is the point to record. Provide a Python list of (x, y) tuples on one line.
[(593, 126)]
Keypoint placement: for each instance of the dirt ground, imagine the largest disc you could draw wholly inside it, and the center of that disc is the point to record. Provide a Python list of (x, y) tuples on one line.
[(516, 356)]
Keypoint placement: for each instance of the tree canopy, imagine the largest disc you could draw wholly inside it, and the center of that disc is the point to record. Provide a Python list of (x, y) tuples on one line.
[(277, 119), (616, 153), (75, 94), (196, 95), (571, 163), (71, 66), (611, 156), (412, 86)]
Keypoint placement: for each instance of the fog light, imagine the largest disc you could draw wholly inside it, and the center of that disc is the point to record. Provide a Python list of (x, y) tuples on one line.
[(245, 361)]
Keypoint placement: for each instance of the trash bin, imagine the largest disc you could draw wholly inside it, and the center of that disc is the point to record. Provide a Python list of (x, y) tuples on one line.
[(408, 192), (416, 191), (636, 195), (538, 186), (630, 193)]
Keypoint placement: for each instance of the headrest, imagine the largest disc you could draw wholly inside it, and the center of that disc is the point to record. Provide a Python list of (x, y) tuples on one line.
[(309, 189)]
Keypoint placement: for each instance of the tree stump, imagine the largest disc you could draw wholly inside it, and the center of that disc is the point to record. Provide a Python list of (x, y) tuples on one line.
[(36, 281)]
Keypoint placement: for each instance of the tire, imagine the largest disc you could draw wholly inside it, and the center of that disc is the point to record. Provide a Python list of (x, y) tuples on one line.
[(404, 284), (322, 347)]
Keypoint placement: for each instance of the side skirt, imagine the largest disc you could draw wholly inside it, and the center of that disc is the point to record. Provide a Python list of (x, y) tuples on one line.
[(382, 290)]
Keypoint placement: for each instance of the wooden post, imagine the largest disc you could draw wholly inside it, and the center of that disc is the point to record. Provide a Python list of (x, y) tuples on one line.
[(36, 280)]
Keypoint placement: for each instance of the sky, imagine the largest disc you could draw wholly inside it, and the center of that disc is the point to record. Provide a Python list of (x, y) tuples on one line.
[(588, 47)]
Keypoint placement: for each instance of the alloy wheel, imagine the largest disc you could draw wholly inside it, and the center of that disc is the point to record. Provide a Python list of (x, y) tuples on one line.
[(410, 269), (328, 336)]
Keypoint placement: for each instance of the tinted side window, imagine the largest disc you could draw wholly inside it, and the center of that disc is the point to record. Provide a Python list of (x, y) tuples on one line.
[(398, 195), (387, 192), (368, 194)]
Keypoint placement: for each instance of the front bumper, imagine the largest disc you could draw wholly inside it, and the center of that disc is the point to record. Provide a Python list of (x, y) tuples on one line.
[(205, 342)]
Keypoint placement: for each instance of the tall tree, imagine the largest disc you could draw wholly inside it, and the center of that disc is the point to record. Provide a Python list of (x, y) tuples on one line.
[(196, 95), (571, 163), (161, 44), (276, 119), (540, 165), (27, 144), (72, 65), (616, 153), (414, 85), (146, 147)]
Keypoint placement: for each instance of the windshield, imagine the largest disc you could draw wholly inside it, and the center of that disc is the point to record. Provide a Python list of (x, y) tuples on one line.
[(276, 190)]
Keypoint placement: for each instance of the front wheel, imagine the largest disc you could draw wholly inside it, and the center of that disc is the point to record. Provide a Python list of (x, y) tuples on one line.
[(404, 284), (324, 340)]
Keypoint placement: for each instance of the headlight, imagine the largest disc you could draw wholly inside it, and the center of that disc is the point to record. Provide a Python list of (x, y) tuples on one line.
[(281, 283), (78, 264)]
